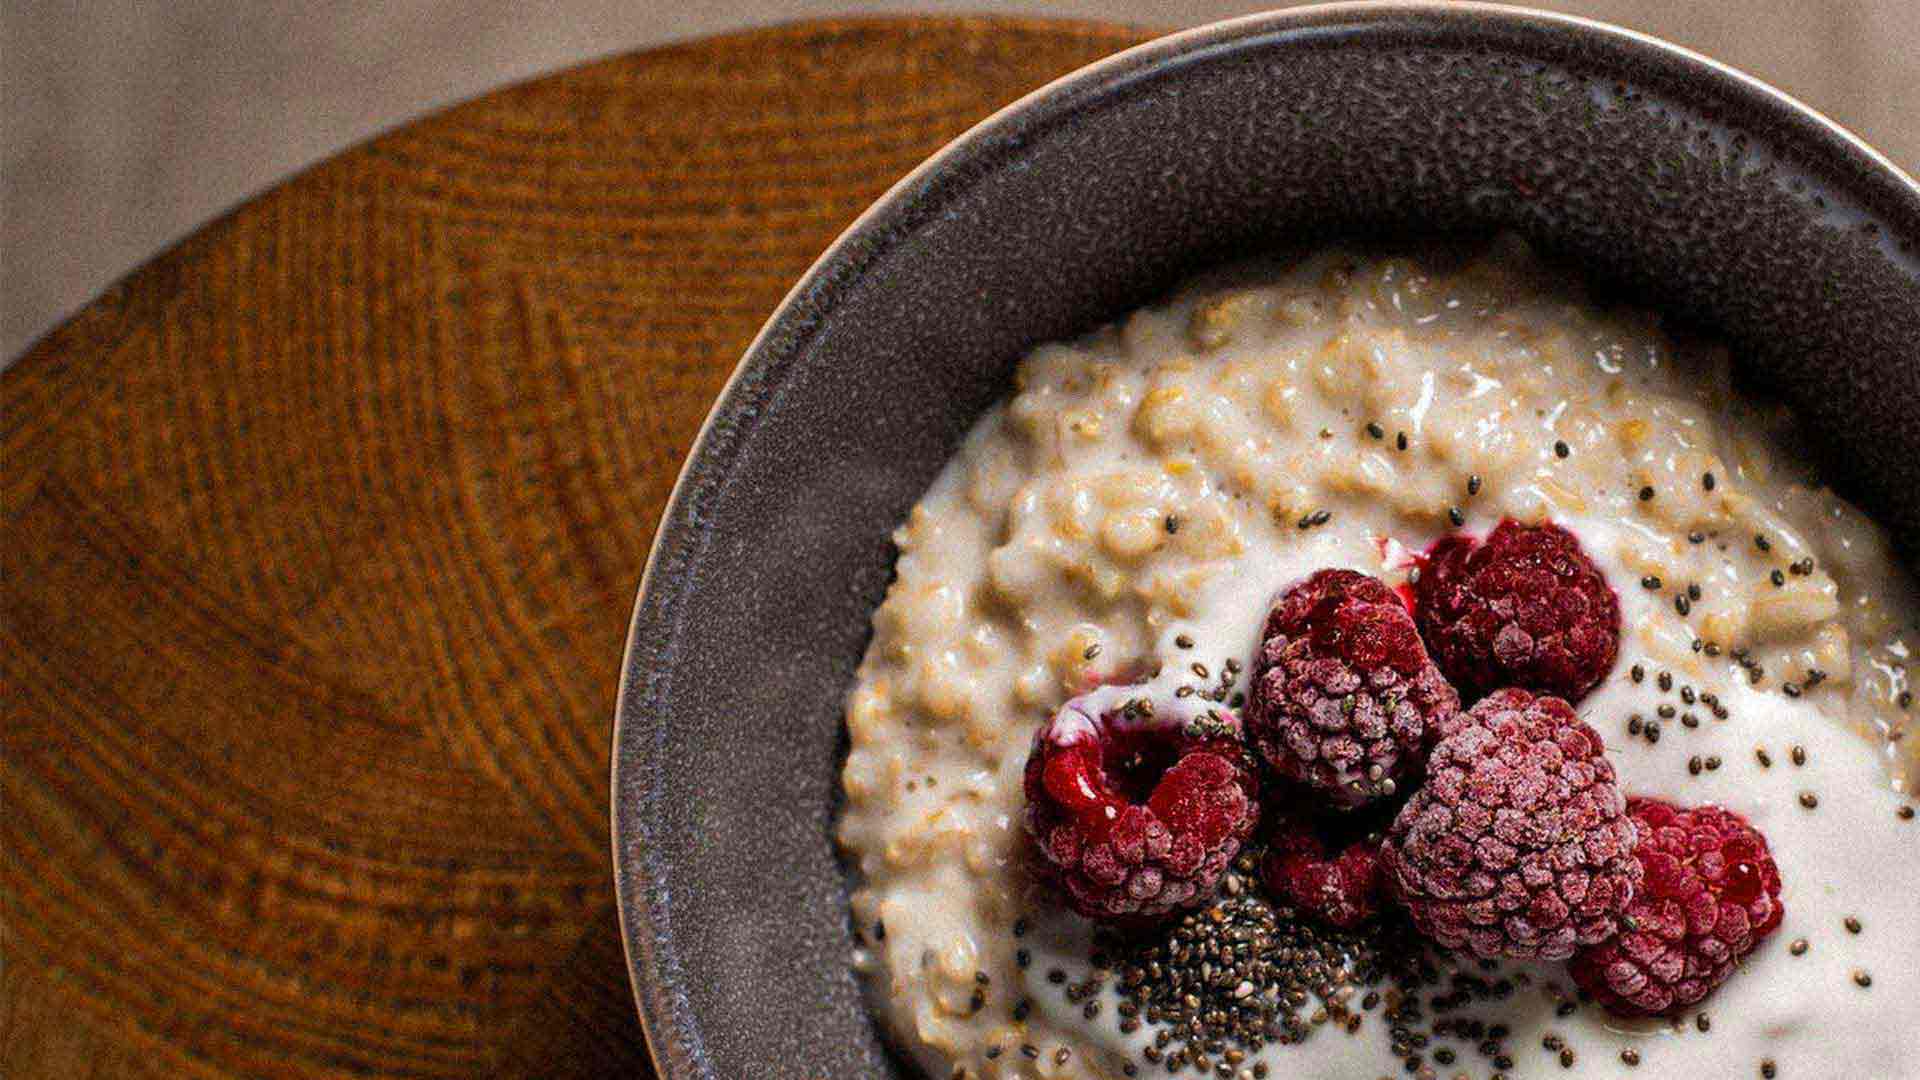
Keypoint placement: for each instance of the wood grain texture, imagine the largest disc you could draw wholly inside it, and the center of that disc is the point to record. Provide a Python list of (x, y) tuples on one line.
[(321, 536)]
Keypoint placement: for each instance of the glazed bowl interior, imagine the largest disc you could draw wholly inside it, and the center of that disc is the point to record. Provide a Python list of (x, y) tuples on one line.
[(1671, 181)]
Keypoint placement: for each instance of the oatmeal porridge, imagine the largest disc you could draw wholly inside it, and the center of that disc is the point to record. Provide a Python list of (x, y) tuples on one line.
[(1101, 560)]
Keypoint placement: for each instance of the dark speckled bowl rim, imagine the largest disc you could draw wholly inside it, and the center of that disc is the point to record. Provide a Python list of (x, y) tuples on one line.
[(908, 204)]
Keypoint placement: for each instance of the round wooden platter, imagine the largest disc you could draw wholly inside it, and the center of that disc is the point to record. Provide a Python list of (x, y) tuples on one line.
[(321, 536)]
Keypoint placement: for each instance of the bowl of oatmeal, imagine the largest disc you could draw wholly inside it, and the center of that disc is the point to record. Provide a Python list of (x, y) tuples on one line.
[(1361, 541)]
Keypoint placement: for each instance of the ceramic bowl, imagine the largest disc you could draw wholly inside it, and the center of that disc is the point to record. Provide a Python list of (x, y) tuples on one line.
[(1682, 184)]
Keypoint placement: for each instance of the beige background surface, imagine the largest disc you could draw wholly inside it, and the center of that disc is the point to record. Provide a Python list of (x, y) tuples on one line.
[(127, 123)]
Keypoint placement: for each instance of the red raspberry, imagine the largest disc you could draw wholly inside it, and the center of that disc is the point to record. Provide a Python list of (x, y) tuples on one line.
[(1344, 698), (1525, 608), (1344, 889), (1518, 844), (1136, 811), (1710, 894)]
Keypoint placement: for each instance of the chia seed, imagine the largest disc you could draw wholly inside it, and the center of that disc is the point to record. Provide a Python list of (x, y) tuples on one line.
[(1224, 981)]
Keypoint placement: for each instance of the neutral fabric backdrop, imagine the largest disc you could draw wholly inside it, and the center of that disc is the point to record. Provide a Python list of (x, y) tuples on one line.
[(125, 124)]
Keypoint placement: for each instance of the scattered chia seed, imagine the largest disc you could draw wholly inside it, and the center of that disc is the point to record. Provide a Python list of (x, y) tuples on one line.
[(1666, 681), (1683, 605), (1767, 1070), (1561, 449), (1777, 578), (1639, 673), (1375, 430), (1651, 583), (1799, 755), (1240, 974), (1852, 924), (1861, 978), (1653, 732), (1199, 670), (1666, 712), (1634, 724), (1646, 494), (1630, 1057), (1765, 759), (1693, 591), (1400, 440), (1713, 762), (1703, 1023), (1696, 537), (1799, 947), (1687, 695), (1694, 765), (1706, 481), (1760, 541), (1790, 689), (1689, 720), (1905, 813), (1092, 651), (1809, 800), (1456, 517), (1183, 641), (1473, 484), (1316, 519)]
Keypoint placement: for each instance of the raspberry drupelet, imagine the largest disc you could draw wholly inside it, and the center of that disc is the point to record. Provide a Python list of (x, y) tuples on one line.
[(1136, 810), (1518, 844), (1709, 896), (1342, 888), (1525, 607), (1344, 698)]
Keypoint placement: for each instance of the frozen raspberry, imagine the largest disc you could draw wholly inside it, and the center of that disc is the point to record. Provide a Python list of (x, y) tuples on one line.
[(1344, 698), (1136, 811), (1518, 844), (1524, 608), (1343, 889), (1710, 893)]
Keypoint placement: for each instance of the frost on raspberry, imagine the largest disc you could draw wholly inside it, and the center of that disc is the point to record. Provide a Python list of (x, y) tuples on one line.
[(1136, 806), (1526, 607), (1341, 887), (1344, 698), (1710, 894), (1519, 843)]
